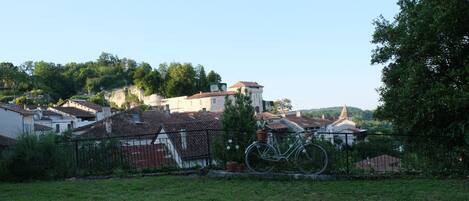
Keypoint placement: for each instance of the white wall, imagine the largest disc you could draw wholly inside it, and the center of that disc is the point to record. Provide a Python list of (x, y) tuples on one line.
[(12, 123), (256, 96)]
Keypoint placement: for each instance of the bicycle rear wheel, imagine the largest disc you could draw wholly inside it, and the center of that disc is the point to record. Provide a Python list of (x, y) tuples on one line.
[(259, 157), (312, 159)]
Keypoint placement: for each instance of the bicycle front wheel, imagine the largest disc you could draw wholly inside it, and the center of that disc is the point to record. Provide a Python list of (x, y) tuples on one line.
[(260, 157), (311, 159)]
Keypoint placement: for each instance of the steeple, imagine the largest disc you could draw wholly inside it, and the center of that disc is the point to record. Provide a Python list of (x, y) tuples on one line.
[(344, 113)]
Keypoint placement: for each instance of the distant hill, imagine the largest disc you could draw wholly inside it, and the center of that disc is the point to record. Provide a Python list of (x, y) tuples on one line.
[(334, 112)]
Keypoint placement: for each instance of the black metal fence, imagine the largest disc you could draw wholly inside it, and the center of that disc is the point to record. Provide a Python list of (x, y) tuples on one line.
[(348, 153)]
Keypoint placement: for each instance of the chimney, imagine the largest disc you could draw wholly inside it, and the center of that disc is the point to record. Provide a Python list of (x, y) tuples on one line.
[(166, 109), (298, 113), (108, 125), (183, 139)]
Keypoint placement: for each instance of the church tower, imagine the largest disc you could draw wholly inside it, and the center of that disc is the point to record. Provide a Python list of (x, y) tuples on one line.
[(344, 113)]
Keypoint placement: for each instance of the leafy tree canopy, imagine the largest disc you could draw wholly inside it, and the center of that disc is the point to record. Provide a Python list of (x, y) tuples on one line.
[(425, 54), (107, 72)]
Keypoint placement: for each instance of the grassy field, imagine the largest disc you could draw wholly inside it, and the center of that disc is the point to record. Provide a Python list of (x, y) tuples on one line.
[(201, 188)]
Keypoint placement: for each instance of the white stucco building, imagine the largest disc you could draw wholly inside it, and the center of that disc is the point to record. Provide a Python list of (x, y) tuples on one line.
[(58, 122), (215, 101), (15, 120)]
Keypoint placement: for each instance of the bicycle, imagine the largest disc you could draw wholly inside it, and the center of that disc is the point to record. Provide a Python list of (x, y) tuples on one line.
[(309, 158)]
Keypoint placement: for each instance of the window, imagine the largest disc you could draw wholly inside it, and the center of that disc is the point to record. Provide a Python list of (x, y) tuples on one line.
[(69, 126), (214, 101), (57, 128)]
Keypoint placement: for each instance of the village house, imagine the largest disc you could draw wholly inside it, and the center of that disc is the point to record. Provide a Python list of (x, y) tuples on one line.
[(100, 112), (301, 123), (15, 120), (57, 123), (213, 101), (273, 122), (155, 138), (346, 127)]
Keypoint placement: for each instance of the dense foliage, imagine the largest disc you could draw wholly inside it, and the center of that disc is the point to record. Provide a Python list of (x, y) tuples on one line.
[(425, 53), (44, 82), (36, 157), (239, 124)]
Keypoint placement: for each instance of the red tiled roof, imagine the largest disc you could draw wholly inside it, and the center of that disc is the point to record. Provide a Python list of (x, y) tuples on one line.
[(6, 141), (246, 84), (382, 163), (277, 126), (88, 104), (49, 113), (211, 94), (267, 116), (152, 156), (74, 112), (151, 122), (16, 108), (307, 122)]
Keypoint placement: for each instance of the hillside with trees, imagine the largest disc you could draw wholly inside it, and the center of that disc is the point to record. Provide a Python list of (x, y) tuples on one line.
[(334, 112), (43, 82)]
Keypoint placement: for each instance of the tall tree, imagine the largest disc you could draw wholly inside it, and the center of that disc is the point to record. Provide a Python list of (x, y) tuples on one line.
[(282, 106), (52, 80), (148, 79), (213, 77), (239, 123), (202, 81), (425, 53), (181, 80)]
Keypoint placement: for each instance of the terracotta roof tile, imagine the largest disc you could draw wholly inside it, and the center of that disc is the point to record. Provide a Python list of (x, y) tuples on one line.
[(307, 122), (246, 84), (150, 122), (74, 112), (88, 104), (211, 94), (277, 126), (16, 108), (382, 163), (267, 116)]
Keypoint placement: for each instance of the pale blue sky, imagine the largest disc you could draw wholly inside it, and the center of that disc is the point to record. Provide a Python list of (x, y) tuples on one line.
[(316, 53)]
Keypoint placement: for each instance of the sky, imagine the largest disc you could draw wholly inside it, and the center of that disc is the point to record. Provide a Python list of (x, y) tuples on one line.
[(316, 53)]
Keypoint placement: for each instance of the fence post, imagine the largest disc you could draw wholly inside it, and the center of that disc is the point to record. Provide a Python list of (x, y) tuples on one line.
[(347, 154), (208, 149), (77, 160)]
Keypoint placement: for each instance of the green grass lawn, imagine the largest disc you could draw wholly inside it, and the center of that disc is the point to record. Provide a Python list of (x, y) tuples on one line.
[(201, 188)]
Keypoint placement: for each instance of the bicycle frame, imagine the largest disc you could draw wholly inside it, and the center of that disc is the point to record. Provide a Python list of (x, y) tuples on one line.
[(292, 150)]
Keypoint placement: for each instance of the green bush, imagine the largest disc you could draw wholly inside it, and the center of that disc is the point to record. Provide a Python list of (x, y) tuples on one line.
[(36, 157)]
